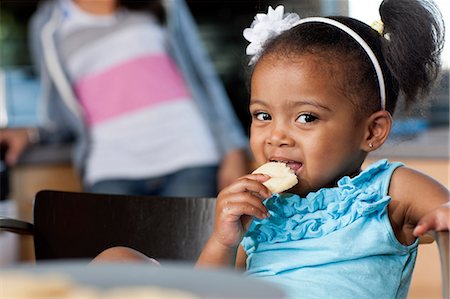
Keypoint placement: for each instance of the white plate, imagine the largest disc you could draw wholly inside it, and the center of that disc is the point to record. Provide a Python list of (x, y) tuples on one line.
[(205, 283)]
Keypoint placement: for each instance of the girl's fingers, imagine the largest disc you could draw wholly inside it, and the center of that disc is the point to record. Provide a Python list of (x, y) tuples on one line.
[(420, 229), (438, 220), (238, 203), (243, 203), (251, 195), (250, 183), (233, 211)]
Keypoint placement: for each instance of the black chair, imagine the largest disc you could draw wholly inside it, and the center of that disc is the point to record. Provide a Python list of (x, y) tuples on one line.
[(80, 225)]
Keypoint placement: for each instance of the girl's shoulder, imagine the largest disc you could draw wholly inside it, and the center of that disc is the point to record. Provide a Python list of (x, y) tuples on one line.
[(410, 185)]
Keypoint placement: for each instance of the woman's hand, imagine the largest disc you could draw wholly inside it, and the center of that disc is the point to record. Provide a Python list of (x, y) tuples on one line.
[(437, 220), (16, 140), (236, 205), (233, 166)]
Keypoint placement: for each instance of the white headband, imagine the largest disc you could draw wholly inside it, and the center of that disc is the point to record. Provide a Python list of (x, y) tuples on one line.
[(280, 22)]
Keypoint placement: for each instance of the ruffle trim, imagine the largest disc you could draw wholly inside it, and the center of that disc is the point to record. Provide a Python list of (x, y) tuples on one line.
[(320, 213)]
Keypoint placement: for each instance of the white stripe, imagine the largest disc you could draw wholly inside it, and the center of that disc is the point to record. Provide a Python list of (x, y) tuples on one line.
[(151, 142), (363, 44), (113, 49)]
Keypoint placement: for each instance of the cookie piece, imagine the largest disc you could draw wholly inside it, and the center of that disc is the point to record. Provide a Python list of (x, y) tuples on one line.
[(281, 176)]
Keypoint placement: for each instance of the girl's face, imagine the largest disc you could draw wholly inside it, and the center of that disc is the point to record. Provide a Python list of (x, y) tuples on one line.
[(299, 117)]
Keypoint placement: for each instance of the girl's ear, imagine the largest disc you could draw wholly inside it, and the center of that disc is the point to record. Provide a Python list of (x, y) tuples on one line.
[(378, 127)]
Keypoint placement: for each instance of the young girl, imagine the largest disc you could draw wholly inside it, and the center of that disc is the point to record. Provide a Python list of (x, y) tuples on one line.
[(323, 92)]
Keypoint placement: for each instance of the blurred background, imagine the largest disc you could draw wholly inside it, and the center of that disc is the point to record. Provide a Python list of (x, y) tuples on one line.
[(220, 24), (420, 138)]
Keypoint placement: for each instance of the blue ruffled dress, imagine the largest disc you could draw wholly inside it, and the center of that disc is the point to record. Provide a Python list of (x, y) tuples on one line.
[(335, 243)]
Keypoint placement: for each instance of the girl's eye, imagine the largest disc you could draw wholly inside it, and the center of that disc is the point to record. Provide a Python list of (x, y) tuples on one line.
[(306, 118), (262, 116)]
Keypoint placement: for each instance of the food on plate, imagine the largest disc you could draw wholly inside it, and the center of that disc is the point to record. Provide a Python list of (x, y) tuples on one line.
[(281, 179), (22, 285)]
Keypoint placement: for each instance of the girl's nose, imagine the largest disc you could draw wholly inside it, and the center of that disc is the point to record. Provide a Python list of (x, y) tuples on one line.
[(280, 136)]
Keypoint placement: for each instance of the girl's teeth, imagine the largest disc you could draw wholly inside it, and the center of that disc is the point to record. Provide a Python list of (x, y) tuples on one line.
[(294, 165)]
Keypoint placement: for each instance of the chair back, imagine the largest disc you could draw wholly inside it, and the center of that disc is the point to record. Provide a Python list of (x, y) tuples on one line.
[(81, 225)]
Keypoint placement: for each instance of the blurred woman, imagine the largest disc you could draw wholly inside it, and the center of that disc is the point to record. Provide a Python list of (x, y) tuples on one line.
[(131, 83)]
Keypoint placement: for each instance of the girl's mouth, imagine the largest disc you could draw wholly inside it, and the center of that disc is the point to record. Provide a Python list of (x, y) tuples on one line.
[(294, 165)]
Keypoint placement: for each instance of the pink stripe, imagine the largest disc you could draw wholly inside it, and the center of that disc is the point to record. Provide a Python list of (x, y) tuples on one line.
[(139, 83)]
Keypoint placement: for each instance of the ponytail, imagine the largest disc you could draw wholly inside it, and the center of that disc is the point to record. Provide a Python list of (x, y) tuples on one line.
[(414, 35)]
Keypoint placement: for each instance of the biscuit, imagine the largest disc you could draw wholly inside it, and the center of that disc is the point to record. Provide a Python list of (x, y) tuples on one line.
[(281, 176)]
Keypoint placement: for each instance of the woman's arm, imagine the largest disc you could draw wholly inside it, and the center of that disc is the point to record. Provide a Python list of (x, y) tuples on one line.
[(234, 165), (207, 89)]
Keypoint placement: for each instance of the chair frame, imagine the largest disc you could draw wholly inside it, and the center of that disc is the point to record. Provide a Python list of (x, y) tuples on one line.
[(442, 240)]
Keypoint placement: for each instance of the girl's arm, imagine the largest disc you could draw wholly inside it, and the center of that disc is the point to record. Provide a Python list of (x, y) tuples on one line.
[(236, 205), (214, 254), (417, 199)]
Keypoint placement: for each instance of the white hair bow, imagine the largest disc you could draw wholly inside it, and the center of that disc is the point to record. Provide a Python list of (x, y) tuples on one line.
[(266, 26)]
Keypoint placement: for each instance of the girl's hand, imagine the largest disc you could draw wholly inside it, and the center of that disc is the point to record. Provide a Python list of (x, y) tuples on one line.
[(235, 207), (437, 220)]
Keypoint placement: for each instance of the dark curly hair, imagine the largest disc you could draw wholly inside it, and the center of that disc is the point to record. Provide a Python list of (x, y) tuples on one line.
[(408, 51)]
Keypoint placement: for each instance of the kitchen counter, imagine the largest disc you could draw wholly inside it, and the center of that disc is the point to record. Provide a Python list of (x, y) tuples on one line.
[(50, 154)]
